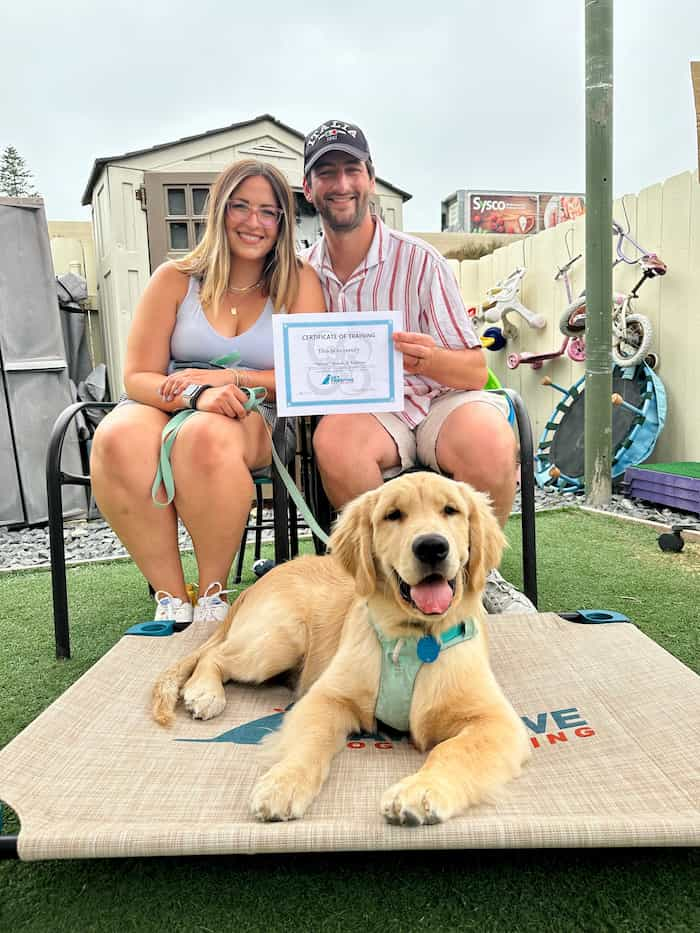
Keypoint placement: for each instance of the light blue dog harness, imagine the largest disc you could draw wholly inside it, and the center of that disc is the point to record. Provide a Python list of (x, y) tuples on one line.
[(402, 658)]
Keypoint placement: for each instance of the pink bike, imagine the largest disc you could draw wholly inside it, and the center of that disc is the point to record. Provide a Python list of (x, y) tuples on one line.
[(632, 333), (573, 346)]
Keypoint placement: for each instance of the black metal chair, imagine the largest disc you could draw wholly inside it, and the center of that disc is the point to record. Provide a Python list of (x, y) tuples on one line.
[(316, 497), (284, 522)]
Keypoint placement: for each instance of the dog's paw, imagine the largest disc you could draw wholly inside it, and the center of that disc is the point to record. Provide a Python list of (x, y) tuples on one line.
[(282, 793), (203, 702), (415, 801)]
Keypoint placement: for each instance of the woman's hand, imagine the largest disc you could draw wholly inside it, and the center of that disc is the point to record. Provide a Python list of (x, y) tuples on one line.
[(179, 379), (223, 400), (419, 351)]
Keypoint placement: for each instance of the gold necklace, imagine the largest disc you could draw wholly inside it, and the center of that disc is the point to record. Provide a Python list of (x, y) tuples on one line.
[(242, 291)]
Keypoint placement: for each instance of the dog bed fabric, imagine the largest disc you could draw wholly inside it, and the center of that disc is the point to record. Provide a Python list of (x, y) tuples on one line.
[(611, 716)]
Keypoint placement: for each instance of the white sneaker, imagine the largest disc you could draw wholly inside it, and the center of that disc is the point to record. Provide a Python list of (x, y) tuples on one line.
[(211, 607), (501, 596), (171, 609)]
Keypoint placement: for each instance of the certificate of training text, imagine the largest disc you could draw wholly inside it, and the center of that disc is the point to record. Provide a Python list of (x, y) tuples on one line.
[(337, 363)]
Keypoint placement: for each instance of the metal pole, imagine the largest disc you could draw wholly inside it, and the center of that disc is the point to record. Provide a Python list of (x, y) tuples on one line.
[(598, 408)]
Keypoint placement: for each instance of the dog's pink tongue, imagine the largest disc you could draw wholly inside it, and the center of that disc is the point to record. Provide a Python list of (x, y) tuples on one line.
[(432, 596)]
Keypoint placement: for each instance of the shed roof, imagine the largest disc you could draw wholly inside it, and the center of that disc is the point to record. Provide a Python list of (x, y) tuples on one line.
[(99, 164)]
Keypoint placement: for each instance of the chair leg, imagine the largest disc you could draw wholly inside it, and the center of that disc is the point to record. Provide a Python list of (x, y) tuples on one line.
[(55, 480), (58, 566), (241, 555), (259, 519), (319, 503), (281, 522), (527, 497), (293, 528)]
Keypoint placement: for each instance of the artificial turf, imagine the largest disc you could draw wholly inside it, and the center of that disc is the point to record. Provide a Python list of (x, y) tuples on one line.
[(584, 560)]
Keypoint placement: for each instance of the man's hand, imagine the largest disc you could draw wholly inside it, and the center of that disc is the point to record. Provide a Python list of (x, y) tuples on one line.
[(419, 351), (456, 369), (179, 379), (224, 400)]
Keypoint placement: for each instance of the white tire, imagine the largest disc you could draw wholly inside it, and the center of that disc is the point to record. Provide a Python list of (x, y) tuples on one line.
[(634, 346), (572, 322)]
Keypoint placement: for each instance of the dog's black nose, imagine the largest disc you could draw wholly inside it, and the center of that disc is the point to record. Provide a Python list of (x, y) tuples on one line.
[(431, 549)]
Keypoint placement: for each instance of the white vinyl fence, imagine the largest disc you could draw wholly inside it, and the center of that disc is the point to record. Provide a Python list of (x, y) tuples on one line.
[(664, 219)]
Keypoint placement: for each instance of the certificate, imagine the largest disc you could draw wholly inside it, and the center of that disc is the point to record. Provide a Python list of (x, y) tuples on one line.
[(337, 363)]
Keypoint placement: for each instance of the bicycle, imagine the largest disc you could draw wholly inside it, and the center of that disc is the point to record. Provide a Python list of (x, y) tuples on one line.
[(632, 333), (573, 346), (503, 298)]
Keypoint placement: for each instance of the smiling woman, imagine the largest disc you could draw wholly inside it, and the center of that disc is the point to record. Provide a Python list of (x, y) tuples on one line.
[(216, 302)]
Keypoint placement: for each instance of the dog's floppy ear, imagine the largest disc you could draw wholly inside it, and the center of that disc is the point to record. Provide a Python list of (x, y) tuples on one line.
[(486, 540), (351, 542)]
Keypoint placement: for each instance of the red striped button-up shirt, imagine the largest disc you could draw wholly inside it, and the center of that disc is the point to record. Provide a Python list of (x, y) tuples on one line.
[(402, 273)]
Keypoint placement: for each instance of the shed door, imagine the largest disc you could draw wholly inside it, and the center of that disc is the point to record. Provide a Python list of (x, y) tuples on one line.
[(176, 207)]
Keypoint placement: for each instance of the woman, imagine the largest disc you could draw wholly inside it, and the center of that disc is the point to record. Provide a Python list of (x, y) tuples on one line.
[(217, 301)]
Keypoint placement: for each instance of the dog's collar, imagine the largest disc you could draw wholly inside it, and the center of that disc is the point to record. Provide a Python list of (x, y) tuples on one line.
[(427, 647)]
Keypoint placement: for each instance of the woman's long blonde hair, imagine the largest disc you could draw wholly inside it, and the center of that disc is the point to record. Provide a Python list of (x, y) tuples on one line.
[(210, 260)]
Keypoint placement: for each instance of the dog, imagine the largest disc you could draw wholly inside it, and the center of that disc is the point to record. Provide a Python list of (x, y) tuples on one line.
[(406, 569)]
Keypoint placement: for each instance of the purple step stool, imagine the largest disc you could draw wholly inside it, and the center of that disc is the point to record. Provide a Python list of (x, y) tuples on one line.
[(674, 484)]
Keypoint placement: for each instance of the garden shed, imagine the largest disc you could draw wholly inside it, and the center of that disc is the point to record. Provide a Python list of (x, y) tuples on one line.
[(148, 206)]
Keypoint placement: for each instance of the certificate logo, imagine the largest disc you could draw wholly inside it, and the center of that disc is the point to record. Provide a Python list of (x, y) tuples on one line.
[(330, 379)]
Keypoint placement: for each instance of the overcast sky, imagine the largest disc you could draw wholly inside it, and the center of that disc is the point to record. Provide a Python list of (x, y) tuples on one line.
[(466, 94)]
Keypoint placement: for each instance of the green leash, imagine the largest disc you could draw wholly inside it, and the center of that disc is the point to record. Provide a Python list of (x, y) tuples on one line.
[(295, 495), (164, 473)]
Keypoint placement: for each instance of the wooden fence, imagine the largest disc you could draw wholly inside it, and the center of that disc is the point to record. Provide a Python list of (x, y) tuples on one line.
[(665, 219)]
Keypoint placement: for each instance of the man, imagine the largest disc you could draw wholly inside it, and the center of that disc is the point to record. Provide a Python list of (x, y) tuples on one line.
[(448, 422)]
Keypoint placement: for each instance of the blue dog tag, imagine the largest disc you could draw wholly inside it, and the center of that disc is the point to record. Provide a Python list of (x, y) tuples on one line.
[(427, 649)]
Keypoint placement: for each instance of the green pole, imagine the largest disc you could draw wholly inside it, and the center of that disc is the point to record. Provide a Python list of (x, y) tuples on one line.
[(598, 407)]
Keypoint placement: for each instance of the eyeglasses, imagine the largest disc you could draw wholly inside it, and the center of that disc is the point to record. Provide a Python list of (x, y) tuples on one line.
[(241, 210)]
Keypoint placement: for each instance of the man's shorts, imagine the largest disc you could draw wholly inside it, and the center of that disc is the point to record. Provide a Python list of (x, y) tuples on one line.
[(419, 445)]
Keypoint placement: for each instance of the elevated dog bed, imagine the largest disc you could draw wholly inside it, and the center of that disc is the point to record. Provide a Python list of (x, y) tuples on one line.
[(612, 719)]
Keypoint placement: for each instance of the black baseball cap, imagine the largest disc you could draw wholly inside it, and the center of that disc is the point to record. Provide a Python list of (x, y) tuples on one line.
[(335, 135)]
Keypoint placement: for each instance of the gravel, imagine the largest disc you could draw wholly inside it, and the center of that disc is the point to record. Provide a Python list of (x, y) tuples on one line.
[(94, 540)]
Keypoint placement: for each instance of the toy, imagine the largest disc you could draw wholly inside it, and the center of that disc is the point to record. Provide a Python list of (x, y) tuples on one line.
[(632, 333), (505, 298), (638, 417), (574, 346)]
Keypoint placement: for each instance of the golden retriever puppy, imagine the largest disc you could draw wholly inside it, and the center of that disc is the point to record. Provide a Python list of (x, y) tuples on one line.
[(400, 591)]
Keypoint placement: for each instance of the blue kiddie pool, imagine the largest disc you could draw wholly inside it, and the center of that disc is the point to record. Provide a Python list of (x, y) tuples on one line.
[(639, 413)]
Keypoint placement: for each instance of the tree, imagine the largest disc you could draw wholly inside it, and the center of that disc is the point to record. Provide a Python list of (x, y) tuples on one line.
[(16, 180)]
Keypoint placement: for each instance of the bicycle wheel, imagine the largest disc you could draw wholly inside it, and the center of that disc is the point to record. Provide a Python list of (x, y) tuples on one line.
[(572, 321), (576, 349), (634, 345)]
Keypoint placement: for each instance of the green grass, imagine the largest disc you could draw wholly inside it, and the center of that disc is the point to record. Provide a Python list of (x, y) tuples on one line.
[(583, 561), (690, 470)]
